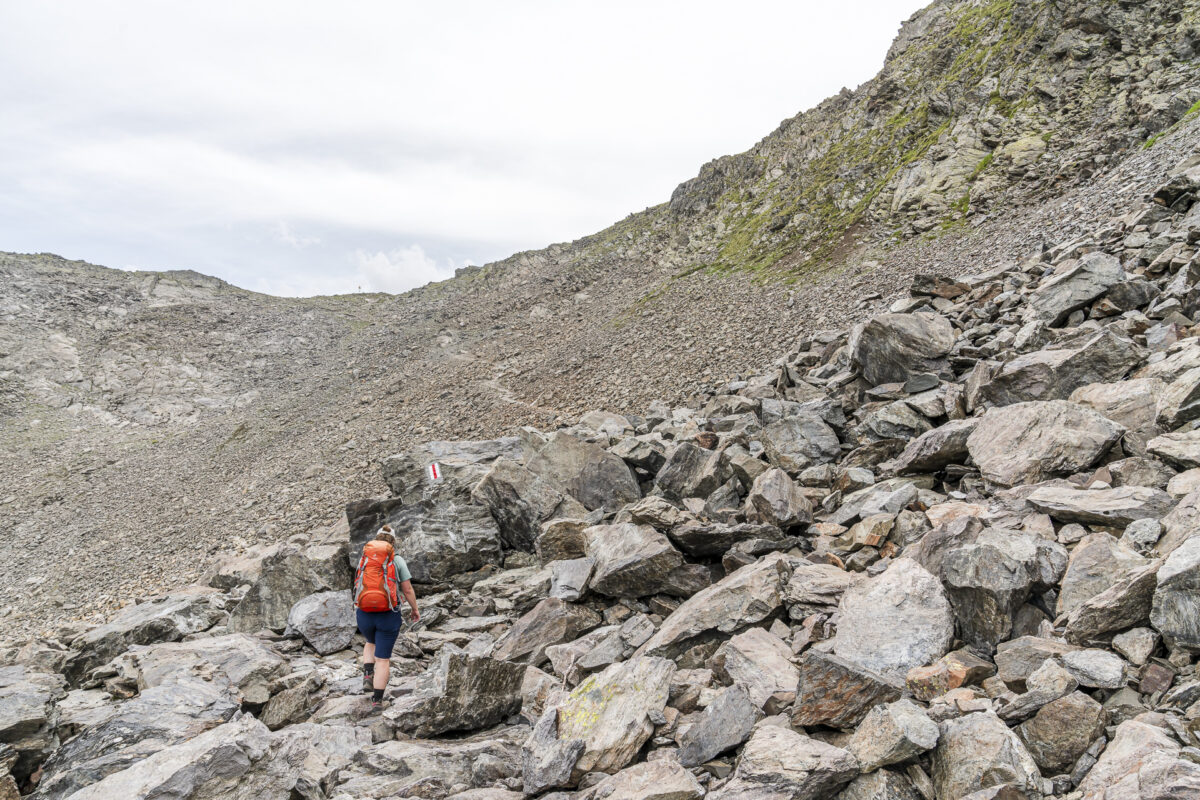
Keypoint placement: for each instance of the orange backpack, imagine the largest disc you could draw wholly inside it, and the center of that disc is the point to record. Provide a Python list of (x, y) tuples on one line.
[(375, 584)]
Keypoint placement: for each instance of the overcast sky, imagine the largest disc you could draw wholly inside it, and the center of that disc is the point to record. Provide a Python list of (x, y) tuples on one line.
[(303, 148)]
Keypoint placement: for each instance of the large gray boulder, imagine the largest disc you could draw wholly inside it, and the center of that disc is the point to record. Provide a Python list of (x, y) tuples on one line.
[(895, 621), (162, 619), (462, 464), (892, 347), (459, 692), (419, 767), (609, 714), (988, 574), (1093, 275), (692, 471), (776, 500), (325, 620), (1181, 448), (289, 573), (1132, 404), (550, 622), (758, 661), (244, 662), (1181, 523), (1123, 605), (1113, 507), (157, 718), (800, 441), (1029, 442), (936, 449), (1142, 762), (1055, 374), (779, 763), (589, 473), (650, 780), (891, 733), (1062, 730), (725, 723), (742, 598), (1096, 563), (521, 501), (236, 761), (1176, 608), (27, 716), (712, 539), (979, 751), (630, 560), (439, 537)]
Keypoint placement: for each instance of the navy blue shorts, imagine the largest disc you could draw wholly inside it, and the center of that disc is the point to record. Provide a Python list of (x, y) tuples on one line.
[(381, 629)]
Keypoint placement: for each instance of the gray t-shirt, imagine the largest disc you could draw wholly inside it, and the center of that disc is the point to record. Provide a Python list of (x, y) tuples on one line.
[(402, 573)]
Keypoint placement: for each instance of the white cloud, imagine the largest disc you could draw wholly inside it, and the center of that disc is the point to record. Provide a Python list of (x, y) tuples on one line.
[(264, 141), (399, 270)]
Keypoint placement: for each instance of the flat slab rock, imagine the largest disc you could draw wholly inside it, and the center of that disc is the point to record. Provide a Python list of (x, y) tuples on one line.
[(1113, 507)]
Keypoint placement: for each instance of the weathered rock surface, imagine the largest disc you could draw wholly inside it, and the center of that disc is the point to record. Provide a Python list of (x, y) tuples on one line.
[(1055, 299), (896, 621), (839, 693), (1029, 442), (759, 662), (459, 692), (1141, 762), (778, 763), (521, 501), (325, 620), (978, 751), (630, 560), (653, 780), (1175, 612), (725, 723), (892, 733), (551, 621), (1061, 731), (1115, 507), (891, 347), (592, 475)]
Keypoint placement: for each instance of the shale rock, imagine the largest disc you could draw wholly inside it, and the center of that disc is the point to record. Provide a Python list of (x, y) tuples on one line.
[(835, 692), (725, 723), (1096, 563), (1055, 299), (325, 620), (891, 347), (979, 751), (1175, 612), (549, 622), (630, 560), (590, 474), (776, 500), (652, 780), (1140, 763), (758, 661), (1114, 507), (520, 502), (778, 763), (1061, 731), (892, 733)]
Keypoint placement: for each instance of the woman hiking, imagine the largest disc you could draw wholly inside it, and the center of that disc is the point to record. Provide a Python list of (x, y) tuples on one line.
[(379, 581)]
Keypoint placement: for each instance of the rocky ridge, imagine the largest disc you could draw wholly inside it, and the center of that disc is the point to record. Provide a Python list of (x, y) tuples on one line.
[(949, 552)]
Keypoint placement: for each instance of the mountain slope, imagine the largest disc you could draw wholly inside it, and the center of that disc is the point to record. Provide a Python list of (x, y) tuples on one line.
[(150, 420)]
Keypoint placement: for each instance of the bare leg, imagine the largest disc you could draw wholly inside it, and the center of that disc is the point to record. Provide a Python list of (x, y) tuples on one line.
[(369, 653), (382, 667)]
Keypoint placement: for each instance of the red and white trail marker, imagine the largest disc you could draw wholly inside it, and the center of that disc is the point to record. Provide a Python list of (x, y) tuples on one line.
[(435, 471)]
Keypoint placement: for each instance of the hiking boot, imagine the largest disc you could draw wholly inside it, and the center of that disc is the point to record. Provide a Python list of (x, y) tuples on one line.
[(376, 706), (368, 683)]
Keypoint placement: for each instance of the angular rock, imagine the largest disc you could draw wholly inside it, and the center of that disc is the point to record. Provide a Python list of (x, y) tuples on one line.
[(1089, 279), (1123, 605), (157, 718), (164, 619), (881, 784), (979, 751), (895, 621), (815, 588), (27, 716), (1132, 404), (588, 472), (1113, 507), (439, 537), (1142, 762), (245, 662), (1019, 658), (630, 560), (940, 447), (521, 501), (709, 539), (800, 441), (1055, 374), (459, 692), (549, 622), (892, 733), (1180, 524), (891, 347), (1062, 730), (562, 540), (1175, 612), (776, 500), (777, 763), (326, 621), (569, 579), (1180, 449), (1096, 669), (758, 661), (652, 780), (610, 713), (1136, 644), (417, 766), (462, 464), (725, 723), (835, 692), (692, 471), (742, 598), (1096, 563), (1029, 442)]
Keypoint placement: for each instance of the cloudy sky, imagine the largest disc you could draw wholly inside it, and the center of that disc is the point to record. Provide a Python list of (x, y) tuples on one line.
[(303, 148)]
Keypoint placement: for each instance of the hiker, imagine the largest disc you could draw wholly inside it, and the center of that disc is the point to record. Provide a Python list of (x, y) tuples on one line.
[(379, 581)]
